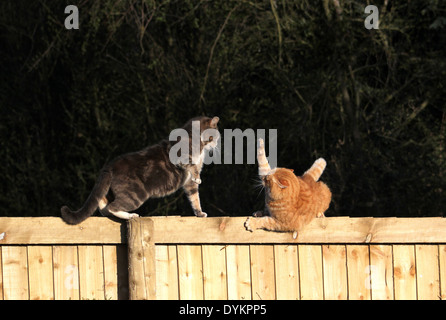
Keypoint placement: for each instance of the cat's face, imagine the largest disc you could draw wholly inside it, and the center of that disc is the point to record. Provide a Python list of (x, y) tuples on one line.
[(210, 134), (280, 183)]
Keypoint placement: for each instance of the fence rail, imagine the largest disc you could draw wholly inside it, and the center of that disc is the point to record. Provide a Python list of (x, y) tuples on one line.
[(216, 258)]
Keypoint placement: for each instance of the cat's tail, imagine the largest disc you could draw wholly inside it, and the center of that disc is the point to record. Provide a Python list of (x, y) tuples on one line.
[(264, 167), (316, 169), (99, 191)]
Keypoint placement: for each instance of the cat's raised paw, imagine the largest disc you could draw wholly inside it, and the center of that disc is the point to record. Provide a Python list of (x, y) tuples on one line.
[(196, 180)]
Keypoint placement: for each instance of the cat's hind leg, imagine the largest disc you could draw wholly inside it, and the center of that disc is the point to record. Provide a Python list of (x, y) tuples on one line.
[(124, 215), (119, 208), (316, 169)]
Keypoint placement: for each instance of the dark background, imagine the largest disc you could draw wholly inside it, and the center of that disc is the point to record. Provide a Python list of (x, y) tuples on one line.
[(371, 102)]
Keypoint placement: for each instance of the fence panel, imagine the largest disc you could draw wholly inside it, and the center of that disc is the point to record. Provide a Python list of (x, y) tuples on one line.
[(216, 258)]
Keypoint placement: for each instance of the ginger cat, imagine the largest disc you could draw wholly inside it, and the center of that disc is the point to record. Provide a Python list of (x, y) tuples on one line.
[(291, 202)]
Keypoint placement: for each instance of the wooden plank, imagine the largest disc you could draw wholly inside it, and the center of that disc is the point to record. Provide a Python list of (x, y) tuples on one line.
[(149, 257), (214, 272), (15, 273), (238, 267), (137, 286), (1, 276), (66, 273), (190, 272), (40, 263), (381, 272), (334, 259), (91, 273), (404, 272), (358, 272), (310, 272), (428, 282), (442, 258), (142, 273), (262, 272), (227, 230), (287, 272), (111, 275), (166, 272), (51, 230), (224, 230)]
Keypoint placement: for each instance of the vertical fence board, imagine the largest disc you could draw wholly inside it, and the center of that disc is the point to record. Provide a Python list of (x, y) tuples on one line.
[(1, 276), (358, 272), (91, 273), (15, 273), (244, 267), (310, 272), (428, 282), (239, 272), (141, 250), (442, 258), (214, 272), (40, 271), (166, 272), (404, 272), (190, 272), (110, 272), (65, 273), (287, 272), (262, 272), (381, 272), (335, 272)]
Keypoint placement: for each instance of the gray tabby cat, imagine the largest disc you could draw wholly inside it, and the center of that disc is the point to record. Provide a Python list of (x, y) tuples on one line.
[(126, 182)]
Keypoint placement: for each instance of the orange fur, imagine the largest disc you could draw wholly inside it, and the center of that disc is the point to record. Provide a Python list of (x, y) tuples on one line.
[(291, 201)]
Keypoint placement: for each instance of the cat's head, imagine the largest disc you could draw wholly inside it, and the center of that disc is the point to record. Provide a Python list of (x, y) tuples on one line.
[(280, 183), (208, 135)]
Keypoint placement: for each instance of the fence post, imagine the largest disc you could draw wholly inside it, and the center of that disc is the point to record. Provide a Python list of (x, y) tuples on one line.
[(142, 281)]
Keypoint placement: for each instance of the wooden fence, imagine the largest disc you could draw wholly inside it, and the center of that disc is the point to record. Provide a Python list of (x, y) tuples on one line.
[(215, 258)]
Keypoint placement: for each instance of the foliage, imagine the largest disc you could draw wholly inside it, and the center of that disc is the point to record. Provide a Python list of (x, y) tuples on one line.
[(371, 102)]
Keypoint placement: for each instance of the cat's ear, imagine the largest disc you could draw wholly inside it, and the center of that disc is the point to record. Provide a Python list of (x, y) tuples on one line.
[(214, 121)]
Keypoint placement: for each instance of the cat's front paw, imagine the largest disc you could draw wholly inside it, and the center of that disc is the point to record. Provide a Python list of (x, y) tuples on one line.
[(201, 214), (133, 215), (248, 225), (196, 180)]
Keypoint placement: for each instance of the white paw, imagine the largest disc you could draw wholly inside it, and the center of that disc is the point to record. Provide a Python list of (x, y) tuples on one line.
[(196, 180), (321, 161), (133, 215), (247, 225), (201, 214)]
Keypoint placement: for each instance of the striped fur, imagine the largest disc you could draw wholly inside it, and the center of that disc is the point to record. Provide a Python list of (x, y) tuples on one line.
[(291, 201)]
